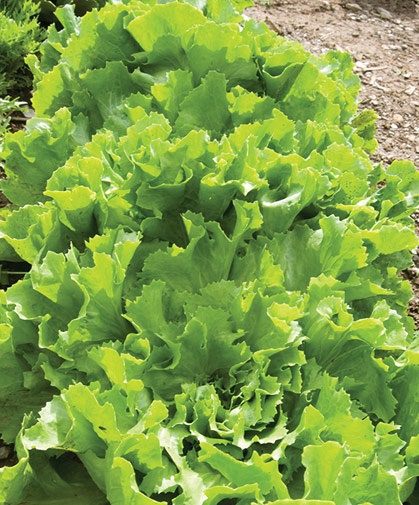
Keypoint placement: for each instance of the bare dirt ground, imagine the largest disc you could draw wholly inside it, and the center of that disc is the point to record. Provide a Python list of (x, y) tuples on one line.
[(383, 38)]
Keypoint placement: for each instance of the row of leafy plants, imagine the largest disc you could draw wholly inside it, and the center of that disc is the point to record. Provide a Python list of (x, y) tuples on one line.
[(20, 34), (22, 29), (213, 312)]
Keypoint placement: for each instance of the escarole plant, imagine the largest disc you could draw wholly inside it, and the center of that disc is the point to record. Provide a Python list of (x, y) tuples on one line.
[(213, 312)]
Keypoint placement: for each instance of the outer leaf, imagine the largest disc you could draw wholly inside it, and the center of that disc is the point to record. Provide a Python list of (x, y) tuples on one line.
[(205, 107), (33, 157), (323, 464)]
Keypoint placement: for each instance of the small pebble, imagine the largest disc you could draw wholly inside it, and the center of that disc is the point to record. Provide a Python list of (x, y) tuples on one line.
[(353, 6), (4, 452), (325, 5), (384, 13), (398, 118)]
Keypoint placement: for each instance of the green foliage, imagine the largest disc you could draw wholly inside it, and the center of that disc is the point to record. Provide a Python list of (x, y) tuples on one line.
[(20, 11), (20, 35), (214, 312), (48, 7)]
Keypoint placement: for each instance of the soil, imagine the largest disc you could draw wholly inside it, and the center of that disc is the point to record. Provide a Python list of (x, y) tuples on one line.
[(383, 38), (8, 456)]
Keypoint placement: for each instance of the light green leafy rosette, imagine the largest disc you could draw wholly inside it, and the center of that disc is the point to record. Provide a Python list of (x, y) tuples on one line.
[(213, 313)]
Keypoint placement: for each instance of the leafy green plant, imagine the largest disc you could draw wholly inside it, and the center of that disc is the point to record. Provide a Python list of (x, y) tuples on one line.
[(20, 11), (20, 35), (48, 7), (8, 106), (214, 312)]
